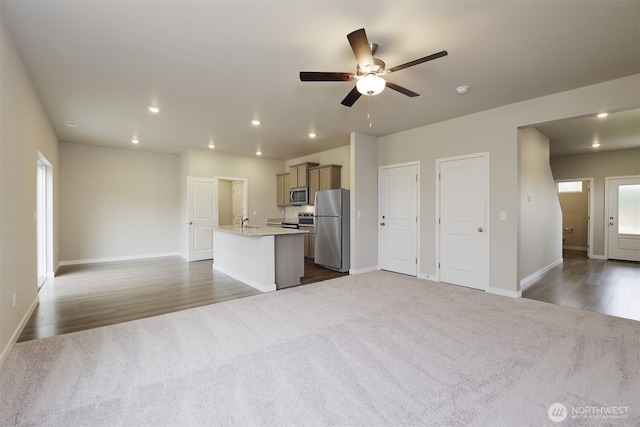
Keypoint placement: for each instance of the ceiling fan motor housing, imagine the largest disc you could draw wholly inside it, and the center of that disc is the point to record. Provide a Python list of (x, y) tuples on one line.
[(378, 67)]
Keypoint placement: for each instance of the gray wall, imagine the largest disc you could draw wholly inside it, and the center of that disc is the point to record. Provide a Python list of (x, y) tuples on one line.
[(24, 131), (364, 203), (117, 203), (540, 212), (495, 131), (260, 174), (597, 166)]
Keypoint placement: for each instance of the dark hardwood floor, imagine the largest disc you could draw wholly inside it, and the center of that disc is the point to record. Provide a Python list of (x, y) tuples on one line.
[(604, 286), (91, 295)]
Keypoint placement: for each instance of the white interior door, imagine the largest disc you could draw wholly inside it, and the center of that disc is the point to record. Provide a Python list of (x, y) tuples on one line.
[(398, 218), (200, 217), (623, 218), (464, 238)]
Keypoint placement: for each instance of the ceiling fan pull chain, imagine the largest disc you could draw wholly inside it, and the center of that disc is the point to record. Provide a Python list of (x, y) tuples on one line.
[(369, 113)]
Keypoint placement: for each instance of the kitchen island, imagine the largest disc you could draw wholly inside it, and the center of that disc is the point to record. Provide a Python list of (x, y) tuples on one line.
[(266, 258)]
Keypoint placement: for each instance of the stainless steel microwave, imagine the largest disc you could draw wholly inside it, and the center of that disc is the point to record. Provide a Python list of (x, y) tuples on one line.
[(299, 196)]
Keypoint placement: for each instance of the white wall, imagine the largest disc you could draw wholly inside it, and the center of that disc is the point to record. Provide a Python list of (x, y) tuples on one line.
[(597, 166), (496, 131), (117, 203), (24, 130), (540, 212)]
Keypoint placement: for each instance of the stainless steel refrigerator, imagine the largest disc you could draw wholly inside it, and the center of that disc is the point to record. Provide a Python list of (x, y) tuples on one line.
[(331, 221)]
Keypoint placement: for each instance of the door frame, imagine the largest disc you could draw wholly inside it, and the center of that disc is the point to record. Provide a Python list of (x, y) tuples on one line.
[(486, 156), (44, 214), (607, 180), (590, 208), (417, 195), (216, 189)]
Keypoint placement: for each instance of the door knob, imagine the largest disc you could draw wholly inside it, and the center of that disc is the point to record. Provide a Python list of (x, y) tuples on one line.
[(190, 223), (382, 223), (480, 229), (611, 223)]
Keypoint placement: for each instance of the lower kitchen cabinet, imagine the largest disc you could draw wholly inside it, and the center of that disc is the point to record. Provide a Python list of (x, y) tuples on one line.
[(310, 245)]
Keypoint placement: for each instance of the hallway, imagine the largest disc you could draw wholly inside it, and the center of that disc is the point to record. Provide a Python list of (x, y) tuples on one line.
[(603, 286)]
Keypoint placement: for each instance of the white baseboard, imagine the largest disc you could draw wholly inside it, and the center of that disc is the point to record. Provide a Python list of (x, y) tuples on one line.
[(16, 334), (120, 258), (598, 257), (524, 283), (363, 270), (504, 293)]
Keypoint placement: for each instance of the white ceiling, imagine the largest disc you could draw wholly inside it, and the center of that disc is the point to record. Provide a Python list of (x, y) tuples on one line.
[(618, 131), (212, 66)]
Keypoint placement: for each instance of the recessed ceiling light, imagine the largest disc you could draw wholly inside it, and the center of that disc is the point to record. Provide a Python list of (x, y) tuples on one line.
[(462, 90), (135, 141), (255, 122), (595, 145), (602, 115), (312, 134), (258, 153), (154, 109), (72, 124), (211, 145)]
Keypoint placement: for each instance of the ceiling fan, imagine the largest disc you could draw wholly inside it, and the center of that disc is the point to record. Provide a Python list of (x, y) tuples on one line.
[(369, 72)]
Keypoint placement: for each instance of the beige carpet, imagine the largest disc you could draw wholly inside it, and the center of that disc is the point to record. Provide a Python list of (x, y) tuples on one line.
[(366, 350)]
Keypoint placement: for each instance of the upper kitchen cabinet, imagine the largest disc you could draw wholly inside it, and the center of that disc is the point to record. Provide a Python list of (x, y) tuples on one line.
[(283, 186), (323, 178), (300, 174)]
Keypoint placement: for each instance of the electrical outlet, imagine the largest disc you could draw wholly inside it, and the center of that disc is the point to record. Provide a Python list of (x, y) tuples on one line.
[(14, 299)]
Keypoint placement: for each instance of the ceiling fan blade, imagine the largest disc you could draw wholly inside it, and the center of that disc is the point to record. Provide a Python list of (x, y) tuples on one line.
[(318, 76), (418, 61), (351, 98), (361, 49), (402, 90)]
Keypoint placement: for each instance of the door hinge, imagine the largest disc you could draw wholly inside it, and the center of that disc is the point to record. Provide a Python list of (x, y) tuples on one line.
[(416, 261), (438, 266)]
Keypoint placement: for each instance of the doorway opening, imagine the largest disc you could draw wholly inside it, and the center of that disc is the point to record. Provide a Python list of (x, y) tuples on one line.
[(44, 220), (576, 203), (231, 200)]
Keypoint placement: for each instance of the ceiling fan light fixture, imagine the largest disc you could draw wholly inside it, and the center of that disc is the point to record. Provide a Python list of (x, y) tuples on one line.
[(370, 84)]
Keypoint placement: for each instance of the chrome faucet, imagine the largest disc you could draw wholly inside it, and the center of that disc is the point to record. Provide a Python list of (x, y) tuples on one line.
[(245, 222)]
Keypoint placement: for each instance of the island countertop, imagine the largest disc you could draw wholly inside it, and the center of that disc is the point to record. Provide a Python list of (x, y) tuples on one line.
[(259, 231)]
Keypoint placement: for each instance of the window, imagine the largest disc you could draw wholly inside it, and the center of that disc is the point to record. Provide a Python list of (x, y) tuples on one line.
[(570, 187), (629, 209)]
